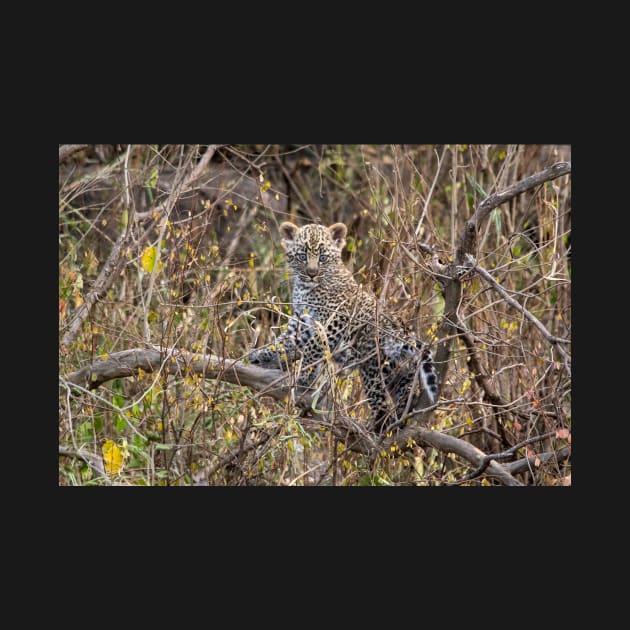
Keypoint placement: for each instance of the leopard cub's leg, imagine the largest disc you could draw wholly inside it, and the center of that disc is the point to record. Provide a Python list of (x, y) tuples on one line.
[(298, 341)]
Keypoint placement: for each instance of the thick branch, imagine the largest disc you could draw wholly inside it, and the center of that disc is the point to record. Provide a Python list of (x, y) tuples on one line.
[(449, 275), (66, 150), (528, 463), (465, 450), (488, 459), (126, 363), (467, 240), (274, 383)]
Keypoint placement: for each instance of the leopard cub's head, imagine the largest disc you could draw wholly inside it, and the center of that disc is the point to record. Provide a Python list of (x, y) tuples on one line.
[(313, 251)]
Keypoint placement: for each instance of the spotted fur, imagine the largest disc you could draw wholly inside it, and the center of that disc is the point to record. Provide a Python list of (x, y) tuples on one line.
[(357, 333)]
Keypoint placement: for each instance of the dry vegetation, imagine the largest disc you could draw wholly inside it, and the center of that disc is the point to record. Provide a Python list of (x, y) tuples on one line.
[(170, 268)]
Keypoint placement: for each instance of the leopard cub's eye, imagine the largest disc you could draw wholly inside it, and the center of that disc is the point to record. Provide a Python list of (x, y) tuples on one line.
[(323, 258), (301, 257)]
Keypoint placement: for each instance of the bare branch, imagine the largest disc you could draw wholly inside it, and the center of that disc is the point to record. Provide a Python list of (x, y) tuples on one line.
[(527, 463), (111, 269), (467, 240), (487, 459), (450, 274), (93, 461), (467, 451), (66, 150), (274, 383), (127, 363), (512, 302)]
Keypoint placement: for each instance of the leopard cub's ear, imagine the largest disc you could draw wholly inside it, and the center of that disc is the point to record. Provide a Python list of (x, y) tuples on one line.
[(288, 232), (338, 233)]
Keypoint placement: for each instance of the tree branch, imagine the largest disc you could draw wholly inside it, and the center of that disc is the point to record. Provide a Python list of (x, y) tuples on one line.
[(103, 282), (465, 450), (488, 459), (449, 275), (116, 259), (277, 384), (526, 463), (127, 363), (512, 302), (468, 237), (93, 461)]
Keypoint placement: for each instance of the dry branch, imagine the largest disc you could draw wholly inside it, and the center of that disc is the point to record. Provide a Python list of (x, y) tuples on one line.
[(465, 450), (127, 363), (529, 463), (468, 236), (512, 302), (488, 459), (93, 461), (274, 383), (111, 269), (449, 275)]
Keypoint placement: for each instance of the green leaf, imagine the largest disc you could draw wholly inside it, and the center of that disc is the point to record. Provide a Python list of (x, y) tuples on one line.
[(496, 215), (85, 432), (473, 182), (121, 424)]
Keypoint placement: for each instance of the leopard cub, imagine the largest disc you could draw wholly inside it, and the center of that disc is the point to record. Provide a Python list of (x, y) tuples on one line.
[(332, 312)]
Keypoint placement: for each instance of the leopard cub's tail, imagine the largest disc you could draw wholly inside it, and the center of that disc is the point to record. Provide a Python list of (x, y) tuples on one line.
[(429, 375)]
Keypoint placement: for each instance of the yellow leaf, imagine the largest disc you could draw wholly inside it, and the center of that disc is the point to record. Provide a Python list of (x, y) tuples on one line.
[(148, 259), (113, 457)]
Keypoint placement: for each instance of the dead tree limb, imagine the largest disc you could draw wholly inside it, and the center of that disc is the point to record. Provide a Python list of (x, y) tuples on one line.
[(488, 459), (529, 463), (274, 383), (469, 234), (449, 275), (131, 362)]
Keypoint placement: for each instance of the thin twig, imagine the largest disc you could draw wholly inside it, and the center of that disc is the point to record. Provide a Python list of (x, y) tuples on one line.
[(440, 161), (512, 302)]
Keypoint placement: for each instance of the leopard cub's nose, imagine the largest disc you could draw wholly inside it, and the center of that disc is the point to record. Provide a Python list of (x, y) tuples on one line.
[(311, 271)]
